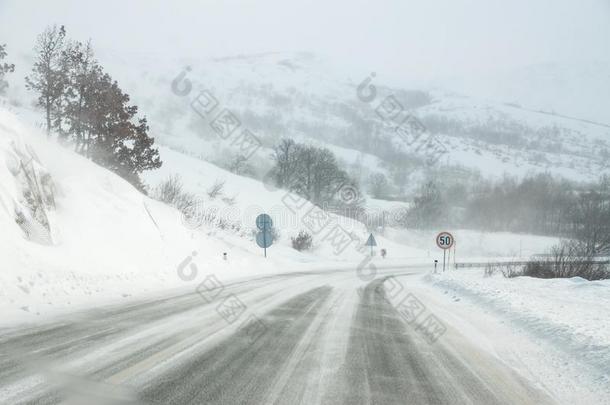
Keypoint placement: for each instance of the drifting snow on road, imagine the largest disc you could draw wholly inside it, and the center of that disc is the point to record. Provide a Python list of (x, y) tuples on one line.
[(327, 338)]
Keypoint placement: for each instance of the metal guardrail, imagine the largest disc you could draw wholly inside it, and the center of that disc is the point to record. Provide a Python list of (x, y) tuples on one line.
[(603, 255), (518, 263)]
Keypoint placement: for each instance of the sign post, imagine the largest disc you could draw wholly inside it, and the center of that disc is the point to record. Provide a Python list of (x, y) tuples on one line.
[(264, 239), (371, 242), (444, 240)]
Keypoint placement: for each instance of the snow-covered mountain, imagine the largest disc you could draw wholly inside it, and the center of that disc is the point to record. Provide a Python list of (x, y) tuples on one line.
[(302, 96), (517, 123)]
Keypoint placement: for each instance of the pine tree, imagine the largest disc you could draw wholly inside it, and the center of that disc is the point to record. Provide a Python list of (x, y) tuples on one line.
[(81, 71), (114, 140)]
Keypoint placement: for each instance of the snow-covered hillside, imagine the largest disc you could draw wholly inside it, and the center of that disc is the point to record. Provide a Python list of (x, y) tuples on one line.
[(107, 239), (300, 95), (574, 88), (102, 239)]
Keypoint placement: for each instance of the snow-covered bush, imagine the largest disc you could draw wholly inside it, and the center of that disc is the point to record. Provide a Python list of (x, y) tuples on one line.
[(302, 241), (507, 269), (216, 190), (273, 231), (171, 192), (568, 259)]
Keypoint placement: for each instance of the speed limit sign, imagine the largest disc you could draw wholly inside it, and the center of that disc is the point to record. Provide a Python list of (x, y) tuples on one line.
[(444, 240)]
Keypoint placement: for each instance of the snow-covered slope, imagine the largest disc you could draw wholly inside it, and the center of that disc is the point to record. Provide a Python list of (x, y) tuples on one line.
[(103, 232), (576, 88), (243, 199), (299, 95), (540, 125), (104, 240), (103, 243)]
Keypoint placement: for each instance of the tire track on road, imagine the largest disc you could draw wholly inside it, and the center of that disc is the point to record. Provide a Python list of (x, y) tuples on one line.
[(390, 362), (237, 370)]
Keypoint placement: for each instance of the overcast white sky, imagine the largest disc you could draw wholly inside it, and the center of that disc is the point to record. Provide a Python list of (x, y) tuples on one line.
[(425, 38)]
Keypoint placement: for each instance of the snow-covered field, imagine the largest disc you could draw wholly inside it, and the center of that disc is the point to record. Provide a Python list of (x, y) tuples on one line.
[(568, 318), (476, 245)]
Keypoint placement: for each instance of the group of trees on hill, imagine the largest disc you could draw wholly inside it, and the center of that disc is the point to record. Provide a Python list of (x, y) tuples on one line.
[(545, 205), (539, 204), (314, 173), (428, 209), (85, 106)]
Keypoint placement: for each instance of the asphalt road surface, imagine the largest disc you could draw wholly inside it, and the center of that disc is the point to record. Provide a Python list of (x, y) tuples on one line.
[(304, 338)]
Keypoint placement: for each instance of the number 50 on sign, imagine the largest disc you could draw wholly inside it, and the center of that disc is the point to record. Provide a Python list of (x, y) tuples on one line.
[(444, 240)]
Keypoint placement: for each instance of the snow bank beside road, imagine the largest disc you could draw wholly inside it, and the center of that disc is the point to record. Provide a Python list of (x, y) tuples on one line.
[(572, 314), (104, 244), (110, 242)]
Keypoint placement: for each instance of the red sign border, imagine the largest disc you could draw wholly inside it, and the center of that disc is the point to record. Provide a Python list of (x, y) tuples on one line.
[(452, 240)]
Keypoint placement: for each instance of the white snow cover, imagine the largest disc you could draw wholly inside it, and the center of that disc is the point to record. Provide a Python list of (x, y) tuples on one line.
[(111, 242), (104, 241), (477, 246), (570, 315), (260, 85)]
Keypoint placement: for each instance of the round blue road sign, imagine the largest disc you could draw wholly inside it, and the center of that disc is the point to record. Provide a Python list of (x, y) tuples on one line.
[(264, 239), (263, 221)]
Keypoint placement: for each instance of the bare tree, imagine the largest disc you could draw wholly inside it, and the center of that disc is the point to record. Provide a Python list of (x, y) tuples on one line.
[(378, 185), (47, 77), (4, 69), (591, 218), (285, 157)]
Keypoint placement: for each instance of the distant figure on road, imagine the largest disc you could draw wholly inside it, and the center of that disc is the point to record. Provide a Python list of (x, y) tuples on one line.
[(383, 253)]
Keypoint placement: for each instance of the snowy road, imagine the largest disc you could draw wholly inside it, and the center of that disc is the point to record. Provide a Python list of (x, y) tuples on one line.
[(324, 337)]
